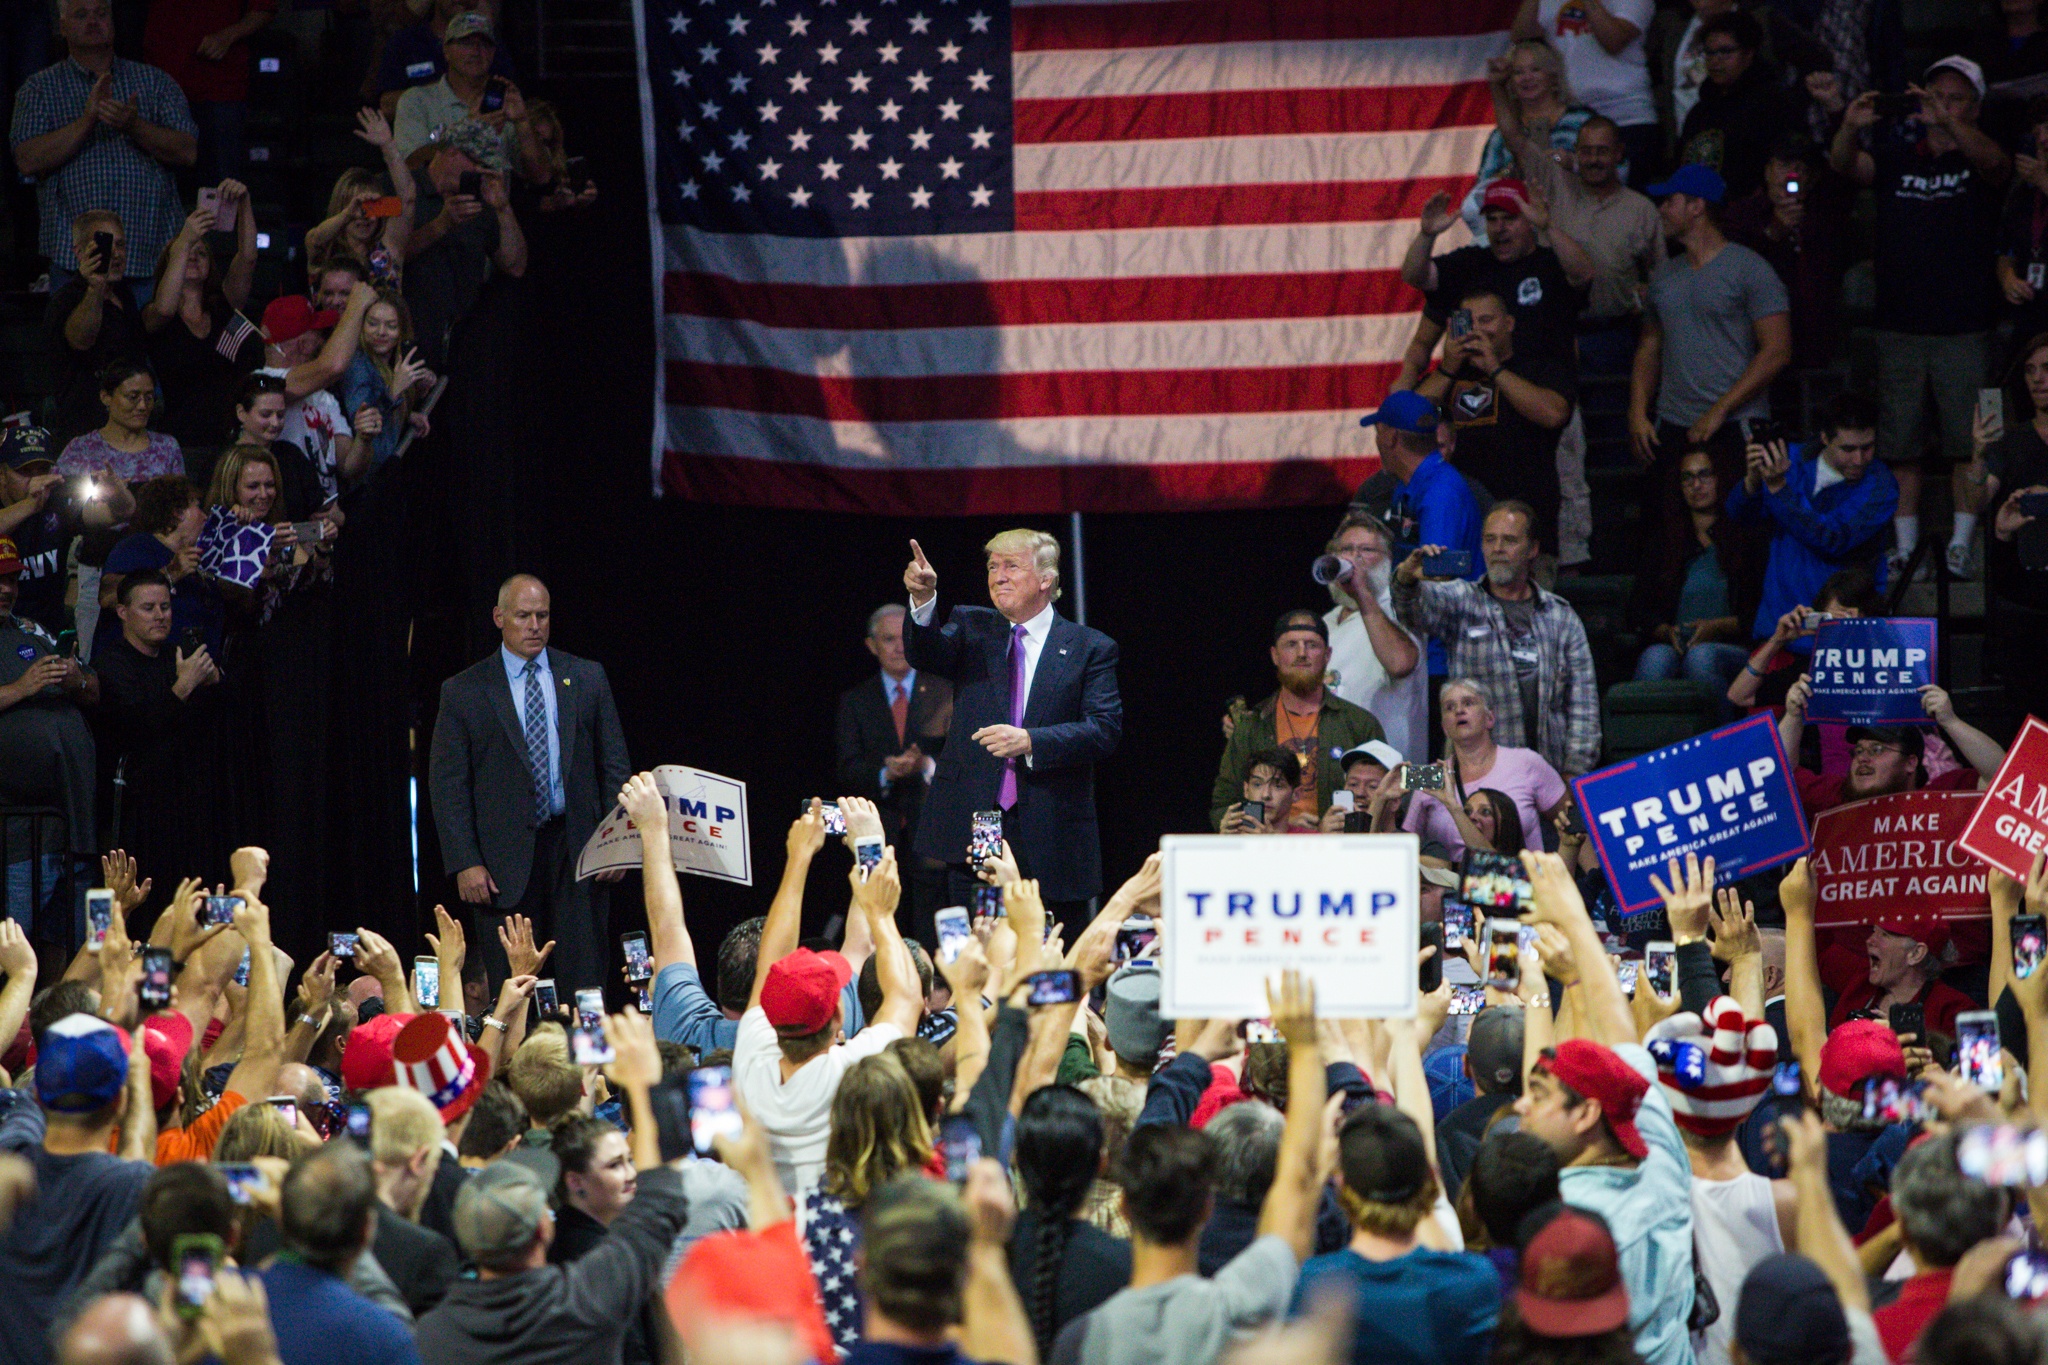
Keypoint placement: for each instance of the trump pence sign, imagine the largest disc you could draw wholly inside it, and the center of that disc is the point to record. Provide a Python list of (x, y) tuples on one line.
[(707, 829), (1239, 908)]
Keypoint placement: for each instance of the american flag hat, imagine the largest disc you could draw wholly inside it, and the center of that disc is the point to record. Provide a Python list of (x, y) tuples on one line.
[(1740, 1055), (430, 1057)]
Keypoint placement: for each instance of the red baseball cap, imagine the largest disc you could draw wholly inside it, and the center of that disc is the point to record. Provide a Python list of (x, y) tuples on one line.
[(291, 316), (1855, 1052), (802, 990), (166, 1038), (366, 1053), (1933, 932), (10, 556), (1598, 1073), (1505, 193), (1571, 1276), (752, 1277)]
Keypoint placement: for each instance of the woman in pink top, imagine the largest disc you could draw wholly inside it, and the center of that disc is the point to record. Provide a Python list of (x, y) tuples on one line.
[(1473, 761)]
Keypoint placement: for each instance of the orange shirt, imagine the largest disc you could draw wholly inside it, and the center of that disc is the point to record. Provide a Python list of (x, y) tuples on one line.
[(195, 1141)]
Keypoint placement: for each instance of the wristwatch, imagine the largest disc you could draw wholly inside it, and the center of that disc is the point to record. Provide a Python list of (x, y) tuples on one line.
[(492, 1021)]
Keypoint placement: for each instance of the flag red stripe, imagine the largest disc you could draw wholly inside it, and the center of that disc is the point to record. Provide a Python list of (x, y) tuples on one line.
[(1028, 491), (1007, 303), (993, 397), (1349, 201), (1172, 23), (1252, 113)]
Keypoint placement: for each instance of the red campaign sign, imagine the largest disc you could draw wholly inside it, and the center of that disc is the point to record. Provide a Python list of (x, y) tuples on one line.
[(2011, 825), (1897, 857)]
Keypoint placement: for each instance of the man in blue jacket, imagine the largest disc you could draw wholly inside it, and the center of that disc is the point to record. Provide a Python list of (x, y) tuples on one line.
[(1827, 509)]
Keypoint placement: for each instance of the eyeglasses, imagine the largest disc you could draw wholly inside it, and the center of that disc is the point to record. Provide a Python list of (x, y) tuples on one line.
[(1697, 476), (1871, 749)]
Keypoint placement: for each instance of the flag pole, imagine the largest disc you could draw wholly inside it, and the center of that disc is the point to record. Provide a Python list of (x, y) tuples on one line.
[(1080, 571)]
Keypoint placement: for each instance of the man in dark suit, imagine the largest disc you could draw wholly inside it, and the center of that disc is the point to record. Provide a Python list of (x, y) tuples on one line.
[(890, 729), (1035, 707), (527, 758)]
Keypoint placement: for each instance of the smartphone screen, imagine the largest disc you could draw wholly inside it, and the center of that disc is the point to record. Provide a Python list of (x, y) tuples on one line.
[(1457, 925), (544, 996), (426, 982), (639, 964), (985, 838), (287, 1108), (342, 945), (1053, 988), (960, 1144), (1977, 1050), (359, 1122), (218, 910), (1660, 965), (1626, 970), (195, 1259), (988, 901), (99, 916), (835, 818), (953, 931), (867, 851), (1494, 881), (2029, 943), (243, 1180), (1504, 953), (2026, 1276), (1467, 999), (588, 1045), (154, 990), (713, 1110), (1138, 932)]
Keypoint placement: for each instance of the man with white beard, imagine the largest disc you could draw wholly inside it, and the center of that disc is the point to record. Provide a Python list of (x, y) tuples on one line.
[(1375, 661)]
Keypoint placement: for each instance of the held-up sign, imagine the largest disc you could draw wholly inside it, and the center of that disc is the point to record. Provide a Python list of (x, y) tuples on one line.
[(1870, 671), (1241, 907), (1728, 793), (707, 829), (1897, 853), (2011, 824)]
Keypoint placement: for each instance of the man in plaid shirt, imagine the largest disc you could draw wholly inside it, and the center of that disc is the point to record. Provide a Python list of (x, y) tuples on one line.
[(1526, 646), (100, 132)]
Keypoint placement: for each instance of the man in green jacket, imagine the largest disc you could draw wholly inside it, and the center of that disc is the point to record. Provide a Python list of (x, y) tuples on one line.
[(1303, 717)]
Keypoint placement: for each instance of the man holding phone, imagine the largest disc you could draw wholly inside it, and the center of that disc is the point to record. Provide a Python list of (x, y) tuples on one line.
[(464, 230), (471, 90)]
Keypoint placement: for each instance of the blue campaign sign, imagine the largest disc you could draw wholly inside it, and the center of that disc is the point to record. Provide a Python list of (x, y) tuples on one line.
[(1728, 794), (1870, 671)]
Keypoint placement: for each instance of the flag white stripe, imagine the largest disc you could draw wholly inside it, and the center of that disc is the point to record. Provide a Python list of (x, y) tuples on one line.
[(1291, 159), (1341, 64), (1207, 438), (1277, 248), (939, 351)]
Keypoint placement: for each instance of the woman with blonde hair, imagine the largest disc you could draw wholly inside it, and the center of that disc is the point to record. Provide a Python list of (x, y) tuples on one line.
[(1530, 76), (349, 230), (386, 374), (878, 1133), (260, 1130)]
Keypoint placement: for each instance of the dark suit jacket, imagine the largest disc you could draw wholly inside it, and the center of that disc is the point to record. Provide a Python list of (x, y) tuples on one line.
[(422, 1263), (867, 736), (1075, 718), (483, 786)]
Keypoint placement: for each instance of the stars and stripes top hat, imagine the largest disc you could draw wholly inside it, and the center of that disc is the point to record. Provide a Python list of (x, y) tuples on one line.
[(1738, 1054), (430, 1057)]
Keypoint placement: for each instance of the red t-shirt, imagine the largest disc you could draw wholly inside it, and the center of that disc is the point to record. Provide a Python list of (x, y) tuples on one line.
[(1818, 792), (1941, 1002), (170, 40), (1900, 1322)]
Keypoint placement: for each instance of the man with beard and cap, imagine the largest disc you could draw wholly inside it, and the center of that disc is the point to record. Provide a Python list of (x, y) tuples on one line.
[(1376, 663), (1884, 759), (1305, 717)]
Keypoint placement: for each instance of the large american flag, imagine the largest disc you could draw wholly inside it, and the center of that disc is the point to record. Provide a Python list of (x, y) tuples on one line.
[(956, 256)]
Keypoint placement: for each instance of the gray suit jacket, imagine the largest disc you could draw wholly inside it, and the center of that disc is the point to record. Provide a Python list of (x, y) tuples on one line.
[(482, 784)]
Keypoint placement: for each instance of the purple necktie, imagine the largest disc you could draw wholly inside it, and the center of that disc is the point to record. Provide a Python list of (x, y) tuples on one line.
[(1006, 795)]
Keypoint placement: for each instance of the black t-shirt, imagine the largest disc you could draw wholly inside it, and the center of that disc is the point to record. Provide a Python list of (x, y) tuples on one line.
[(200, 375), (441, 283), (2018, 568), (1095, 1265), (1937, 231), (1732, 130), (1546, 305), (44, 541), (79, 409), (1500, 448)]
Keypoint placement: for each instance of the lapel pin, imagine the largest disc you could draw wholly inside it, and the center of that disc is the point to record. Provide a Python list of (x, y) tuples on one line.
[(1063, 651)]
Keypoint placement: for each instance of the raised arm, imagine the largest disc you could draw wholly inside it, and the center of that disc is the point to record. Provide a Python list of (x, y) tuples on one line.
[(786, 912), (240, 275), (1604, 1013), (1418, 268), (1806, 1017), (993, 1323), (18, 960), (1291, 1203), (668, 936), (310, 376), (1978, 749), (263, 1039), (1820, 1236), (163, 305), (875, 893)]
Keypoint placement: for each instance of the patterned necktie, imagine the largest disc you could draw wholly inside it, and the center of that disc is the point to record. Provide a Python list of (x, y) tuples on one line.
[(1006, 795), (537, 743), (899, 706)]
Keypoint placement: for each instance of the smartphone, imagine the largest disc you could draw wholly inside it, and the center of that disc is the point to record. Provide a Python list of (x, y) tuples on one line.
[(194, 1258), (287, 1107), (493, 97), (544, 996), (1053, 988), (359, 1122), (639, 962), (988, 902), (953, 931), (426, 982), (1449, 564), (1504, 953), (1787, 1098), (242, 1180), (1660, 965), (2029, 943), (1909, 1018), (1424, 777), (1357, 822), (835, 818), (1897, 106), (1468, 999), (1626, 970), (714, 1109), (154, 990), (309, 532), (1255, 812), (1459, 325), (2033, 504), (1342, 799), (1887, 1099), (1457, 925), (588, 1045), (1813, 620), (960, 1144), (471, 183), (390, 206), (1494, 881), (342, 945), (1977, 1049), (99, 917), (1991, 408), (1259, 1031), (867, 852), (985, 839), (2000, 1154), (1761, 431), (1571, 822), (224, 217), (103, 249), (1431, 971), (2026, 1276), (1137, 934), (217, 910)]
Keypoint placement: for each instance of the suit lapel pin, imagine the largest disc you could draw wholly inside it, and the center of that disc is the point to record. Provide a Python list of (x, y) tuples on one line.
[(1063, 651), (565, 682)]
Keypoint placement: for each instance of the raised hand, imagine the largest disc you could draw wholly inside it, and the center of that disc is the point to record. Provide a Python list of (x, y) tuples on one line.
[(1555, 895), (967, 973), (636, 1063), (1293, 1007), (316, 984), (1734, 922), (807, 832), (1000, 869), (643, 802), (876, 890), (919, 577), (1688, 896), (373, 128), (117, 869), (863, 819), (515, 936), (1437, 215)]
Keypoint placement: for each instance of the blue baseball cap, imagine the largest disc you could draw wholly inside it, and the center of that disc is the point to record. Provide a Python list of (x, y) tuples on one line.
[(1405, 410), (81, 1064), (23, 447), (1701, 182)]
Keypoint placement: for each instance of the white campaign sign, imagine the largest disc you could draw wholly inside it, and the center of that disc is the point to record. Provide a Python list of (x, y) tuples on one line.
[(707, 829), (1240, 907)]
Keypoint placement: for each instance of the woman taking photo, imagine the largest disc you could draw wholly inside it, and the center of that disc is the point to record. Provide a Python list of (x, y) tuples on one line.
[(1472, 762), (379, 242), (200, 344), (386, 375), (1705, 589)]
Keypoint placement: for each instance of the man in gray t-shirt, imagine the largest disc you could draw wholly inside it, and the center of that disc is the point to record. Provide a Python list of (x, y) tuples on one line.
[(1717, 331)]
